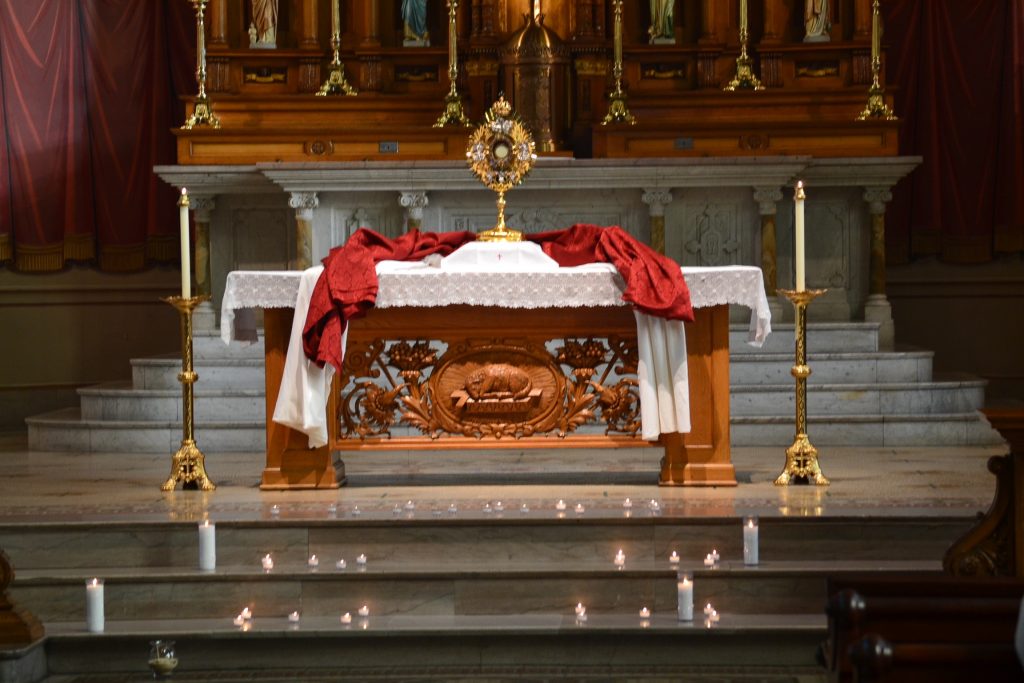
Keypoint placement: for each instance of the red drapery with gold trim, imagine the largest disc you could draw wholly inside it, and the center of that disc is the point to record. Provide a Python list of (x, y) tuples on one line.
[(958, 72), (88, 93)]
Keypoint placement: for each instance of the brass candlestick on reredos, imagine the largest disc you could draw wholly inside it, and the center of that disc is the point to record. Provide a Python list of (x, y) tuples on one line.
[(501, 154), (202, 112)]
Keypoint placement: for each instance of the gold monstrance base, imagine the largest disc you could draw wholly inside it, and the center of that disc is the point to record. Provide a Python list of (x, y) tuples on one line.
[(500, 233), (188, 465), (802, 457)]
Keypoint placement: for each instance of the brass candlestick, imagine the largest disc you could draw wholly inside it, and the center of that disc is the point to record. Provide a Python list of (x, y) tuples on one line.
[(745, 78), (801, 458), (453, 113), (202, 113), (189, 464), (618, 111), (336, 83), (876, 107)]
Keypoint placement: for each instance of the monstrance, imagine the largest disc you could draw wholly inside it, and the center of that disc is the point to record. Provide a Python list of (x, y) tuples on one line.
[(501, 154)]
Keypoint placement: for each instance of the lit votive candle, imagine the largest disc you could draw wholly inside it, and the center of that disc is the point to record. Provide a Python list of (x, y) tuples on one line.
[(645, 613), (341, 564), (267, 562), (453, 509), (714, 555), (580, 509), (94, 618), (275, 510), (238, 621), (293, 618), (709, 561), (673, 558), (581, 618), (364, 611), (207, 546), (487, 508), (524, 508), (627, 504), (750, 549), (397, 510), (580, 609), (620, 559), (655, 505), (313, 562), (361, 560), (246, 613), (356, 511), (346, 618), (332, 510), (498, 507), (560, 505), (708, 609), (684, 591), (714, 617), (410, 506)]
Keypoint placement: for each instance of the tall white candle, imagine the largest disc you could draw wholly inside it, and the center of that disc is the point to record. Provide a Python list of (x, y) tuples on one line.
[(750, 551), (799, 197), (207, 546), (186, 251), (94, 605), (684, 588)]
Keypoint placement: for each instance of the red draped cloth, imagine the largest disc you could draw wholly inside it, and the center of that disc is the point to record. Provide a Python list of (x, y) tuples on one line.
[(348, 286)]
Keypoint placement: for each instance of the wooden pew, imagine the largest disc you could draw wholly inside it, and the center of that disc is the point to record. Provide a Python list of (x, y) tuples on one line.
[(929, 627)]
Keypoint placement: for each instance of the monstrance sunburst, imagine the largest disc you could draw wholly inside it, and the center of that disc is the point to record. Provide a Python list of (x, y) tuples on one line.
[(501, 154)]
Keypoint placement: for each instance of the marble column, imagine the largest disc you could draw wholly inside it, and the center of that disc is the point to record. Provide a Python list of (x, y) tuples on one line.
[(656, 201), (877, 307), (413, 203), (768, 199), (202, 206), (304, 203)]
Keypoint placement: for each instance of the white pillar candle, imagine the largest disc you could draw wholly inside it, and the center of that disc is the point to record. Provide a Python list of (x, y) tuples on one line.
[(750, 550), (207, 546), (94, 620), (798, 239), (186, 251), (684, 590)]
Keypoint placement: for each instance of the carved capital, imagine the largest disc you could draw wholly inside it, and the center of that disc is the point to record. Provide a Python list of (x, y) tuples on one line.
[(876, 198), (767, 199), (202, 206), (657, 199), (414, 203), (304, 203)]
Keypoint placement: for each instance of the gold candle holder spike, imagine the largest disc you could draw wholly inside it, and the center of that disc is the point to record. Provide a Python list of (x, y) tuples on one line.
[(336, 83), (876, 108), (500, 153), (618, 110), (188, 465), (202, 112), (453, 115), (802, 457), (745, 78)]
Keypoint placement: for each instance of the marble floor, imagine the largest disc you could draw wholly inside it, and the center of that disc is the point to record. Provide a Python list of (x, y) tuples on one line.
[(57, 487)]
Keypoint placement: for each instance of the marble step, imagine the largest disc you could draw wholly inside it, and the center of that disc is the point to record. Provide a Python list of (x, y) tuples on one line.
[(207, 344), (881, 399), (472, 536), (119, 401), (763, 648), (840, 337), (832, 368), (215, 373), (67, 430), (935, 429), (444, 589)]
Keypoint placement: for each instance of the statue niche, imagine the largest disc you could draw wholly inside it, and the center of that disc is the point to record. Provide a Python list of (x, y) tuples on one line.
[(263, 24)]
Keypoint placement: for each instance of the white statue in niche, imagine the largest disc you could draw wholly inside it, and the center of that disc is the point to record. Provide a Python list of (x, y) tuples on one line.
[(414, 23), (264, 24), (816, 21), (661, 30)]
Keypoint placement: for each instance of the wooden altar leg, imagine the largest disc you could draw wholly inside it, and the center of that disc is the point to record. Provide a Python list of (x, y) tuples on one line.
[(702, 457), (291, 464)]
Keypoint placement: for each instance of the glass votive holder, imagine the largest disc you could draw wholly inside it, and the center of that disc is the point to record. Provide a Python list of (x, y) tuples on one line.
[(162, 658)]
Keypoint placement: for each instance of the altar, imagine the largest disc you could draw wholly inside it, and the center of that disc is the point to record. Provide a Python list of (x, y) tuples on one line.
[(462, 361)]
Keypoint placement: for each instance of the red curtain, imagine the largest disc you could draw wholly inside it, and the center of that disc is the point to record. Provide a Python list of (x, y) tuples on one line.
[(88, 93), (957, 68)]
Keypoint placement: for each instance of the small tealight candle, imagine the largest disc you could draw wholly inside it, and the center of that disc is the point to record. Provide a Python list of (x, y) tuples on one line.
[(655, 505), (246, 614), (580, 609), (684, 591), (207, 546), (332, 510), (94, 618), (356, 511), (524, 508), (397, 510), (346, 618), (709, 561), (627, 504), (708, 609), (560, 505), (750, 549), (364, 611), (620, 559), (714, 555), (714, 617), (341, 564), (487, 508), (645, 613), (580, 509), (453, 509), (313, 562), (293, 618), (268, 562), (498, 507), (275, 510), (361, 560), (238, 621), (673, 558), (581, 618), (409, 505)]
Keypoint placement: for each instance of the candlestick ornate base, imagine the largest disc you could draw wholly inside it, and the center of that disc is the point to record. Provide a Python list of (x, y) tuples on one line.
[(188, 465), (618, 111), (876, 108), (202, 114), (802, 457), (745, 78), (453, 115), (336, 83)]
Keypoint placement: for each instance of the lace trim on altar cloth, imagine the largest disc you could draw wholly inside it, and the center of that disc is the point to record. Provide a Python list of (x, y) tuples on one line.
[(421, 285)]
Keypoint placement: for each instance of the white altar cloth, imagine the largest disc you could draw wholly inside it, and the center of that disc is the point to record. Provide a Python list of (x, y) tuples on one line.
[(662, 368)]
